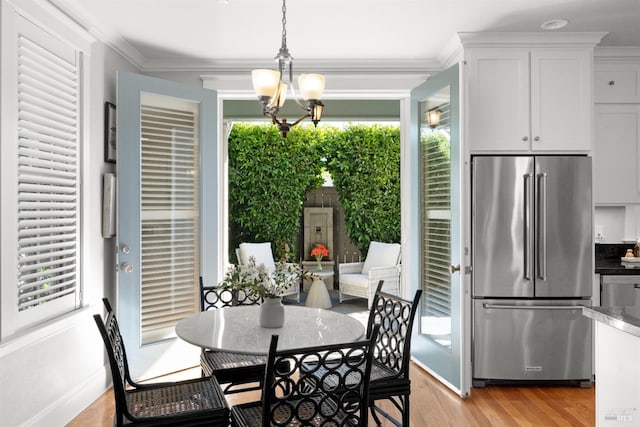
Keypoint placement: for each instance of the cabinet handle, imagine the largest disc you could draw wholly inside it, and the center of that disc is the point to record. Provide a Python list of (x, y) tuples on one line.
[(525, 138), (612, 83), (537, 138)]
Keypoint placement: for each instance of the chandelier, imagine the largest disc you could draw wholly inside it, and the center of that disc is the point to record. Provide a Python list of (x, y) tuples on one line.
[(271, 87)]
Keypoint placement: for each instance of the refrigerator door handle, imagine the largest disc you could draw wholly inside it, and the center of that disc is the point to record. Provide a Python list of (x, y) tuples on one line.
[(527, 225), (541, 229), (531, 307)]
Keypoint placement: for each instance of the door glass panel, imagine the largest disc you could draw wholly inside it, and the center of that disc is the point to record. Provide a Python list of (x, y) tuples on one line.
[(170, 220), (435, 158)]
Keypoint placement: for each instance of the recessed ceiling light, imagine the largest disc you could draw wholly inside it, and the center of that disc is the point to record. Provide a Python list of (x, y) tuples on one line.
[(554, 24)]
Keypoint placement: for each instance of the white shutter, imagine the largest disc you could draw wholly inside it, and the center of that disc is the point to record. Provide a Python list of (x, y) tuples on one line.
[(48, 176), (436, 167), (170, 206)]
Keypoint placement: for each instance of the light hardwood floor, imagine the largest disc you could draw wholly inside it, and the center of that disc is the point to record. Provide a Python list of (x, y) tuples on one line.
[(432, 404)]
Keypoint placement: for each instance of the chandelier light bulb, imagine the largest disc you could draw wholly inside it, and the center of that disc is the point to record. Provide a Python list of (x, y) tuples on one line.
[(311, 86)]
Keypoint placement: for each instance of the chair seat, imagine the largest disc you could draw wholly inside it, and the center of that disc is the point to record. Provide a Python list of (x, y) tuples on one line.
[(233, 368), (250, 414), (199, 399)]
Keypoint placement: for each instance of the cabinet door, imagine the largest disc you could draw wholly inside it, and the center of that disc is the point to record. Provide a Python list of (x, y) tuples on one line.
[(561, 99), (616, 82), (498, 99), (616, 154)]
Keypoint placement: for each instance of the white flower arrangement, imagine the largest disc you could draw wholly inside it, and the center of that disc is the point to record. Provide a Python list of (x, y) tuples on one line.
[(258, 281)]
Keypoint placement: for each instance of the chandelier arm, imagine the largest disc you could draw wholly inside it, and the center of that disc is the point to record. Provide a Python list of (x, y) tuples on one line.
[(301, 118)]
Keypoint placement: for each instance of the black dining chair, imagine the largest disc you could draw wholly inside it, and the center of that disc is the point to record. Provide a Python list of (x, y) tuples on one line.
[(294, 395), (390, 369), (192, 402), (238, 372)]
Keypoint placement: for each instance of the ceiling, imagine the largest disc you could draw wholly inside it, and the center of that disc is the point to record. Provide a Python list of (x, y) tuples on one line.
[(159, 35)]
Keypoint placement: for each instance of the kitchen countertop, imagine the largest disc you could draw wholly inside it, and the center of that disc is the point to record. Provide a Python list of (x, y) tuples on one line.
[(626, 319), (607, 257)]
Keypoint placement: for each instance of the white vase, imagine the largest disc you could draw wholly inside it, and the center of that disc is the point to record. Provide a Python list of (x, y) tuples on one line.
[(272, 313)]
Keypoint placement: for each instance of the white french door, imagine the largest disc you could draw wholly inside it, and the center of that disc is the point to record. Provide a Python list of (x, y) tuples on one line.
[(167, 187), (439, 341)]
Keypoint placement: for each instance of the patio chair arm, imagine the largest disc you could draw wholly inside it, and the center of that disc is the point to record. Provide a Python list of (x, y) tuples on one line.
[(350, 267), (388, 274)]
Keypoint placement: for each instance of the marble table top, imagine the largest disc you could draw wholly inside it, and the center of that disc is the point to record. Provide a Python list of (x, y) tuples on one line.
[(238, 330), (626, 319)]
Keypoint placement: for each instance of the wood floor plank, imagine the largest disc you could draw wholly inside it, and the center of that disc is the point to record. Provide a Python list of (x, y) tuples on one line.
[(433, 404)]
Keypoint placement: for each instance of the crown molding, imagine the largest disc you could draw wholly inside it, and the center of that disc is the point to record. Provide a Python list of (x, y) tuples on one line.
[(100, 32), (531, 39), (629, 54), (327, 66)]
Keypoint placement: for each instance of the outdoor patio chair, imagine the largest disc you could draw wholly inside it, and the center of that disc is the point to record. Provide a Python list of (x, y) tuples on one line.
[(193, 402), (231, 369), (359, 279), (293, 394), (262, 254)]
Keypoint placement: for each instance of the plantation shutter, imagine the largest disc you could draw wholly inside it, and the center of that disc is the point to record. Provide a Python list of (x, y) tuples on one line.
[(436, 165), (170, 203), (47, 175)]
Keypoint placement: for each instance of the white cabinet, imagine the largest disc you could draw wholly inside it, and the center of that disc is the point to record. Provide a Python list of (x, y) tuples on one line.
[(616, 154), (616, 82), (529, 99)]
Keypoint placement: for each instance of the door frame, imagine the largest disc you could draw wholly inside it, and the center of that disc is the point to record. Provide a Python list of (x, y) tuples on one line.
[(401, 95)]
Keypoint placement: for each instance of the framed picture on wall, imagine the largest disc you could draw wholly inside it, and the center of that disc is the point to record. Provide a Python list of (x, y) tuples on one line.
[(110, 142)]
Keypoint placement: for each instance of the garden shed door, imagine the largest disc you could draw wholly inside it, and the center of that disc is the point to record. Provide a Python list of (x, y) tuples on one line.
[(439, 340), (166, 216)]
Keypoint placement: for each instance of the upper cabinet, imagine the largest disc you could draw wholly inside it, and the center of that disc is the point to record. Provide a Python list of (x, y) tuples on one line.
[(616, 124), (528, 92), (616, 81)]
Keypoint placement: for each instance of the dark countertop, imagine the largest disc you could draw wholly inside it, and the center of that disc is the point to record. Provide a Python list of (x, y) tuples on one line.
[(607, 257), (626, 319)]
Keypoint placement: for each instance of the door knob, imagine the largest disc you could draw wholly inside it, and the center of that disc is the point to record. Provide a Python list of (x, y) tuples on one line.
[(454, 268), (126, 267)]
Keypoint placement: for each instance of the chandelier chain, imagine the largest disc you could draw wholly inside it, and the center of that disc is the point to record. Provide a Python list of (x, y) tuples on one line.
[(284, 25)]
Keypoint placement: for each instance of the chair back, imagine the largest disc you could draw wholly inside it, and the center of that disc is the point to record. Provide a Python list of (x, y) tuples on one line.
[(326, 385), (395, 317), (114, 345), (381, 255), (212, 297), (261, 252)]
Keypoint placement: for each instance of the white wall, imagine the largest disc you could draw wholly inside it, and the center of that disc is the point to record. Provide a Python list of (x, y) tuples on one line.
[(50, 374), (617, 223)]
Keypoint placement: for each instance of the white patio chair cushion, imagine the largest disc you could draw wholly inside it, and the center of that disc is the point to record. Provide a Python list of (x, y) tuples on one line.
[(260, 251), (381, 255)]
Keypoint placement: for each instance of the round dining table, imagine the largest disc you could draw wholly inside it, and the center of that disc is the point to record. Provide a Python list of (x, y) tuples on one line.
[(237, 329)]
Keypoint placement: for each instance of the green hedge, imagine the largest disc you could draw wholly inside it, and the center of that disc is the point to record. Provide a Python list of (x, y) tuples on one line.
[(364, 162), (269, 179)]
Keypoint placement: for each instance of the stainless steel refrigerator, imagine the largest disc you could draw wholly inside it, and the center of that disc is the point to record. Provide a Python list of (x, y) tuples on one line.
[(532, 268)]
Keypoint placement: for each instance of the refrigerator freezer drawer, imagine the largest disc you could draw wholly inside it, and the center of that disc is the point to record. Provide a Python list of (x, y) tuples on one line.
[(531, 340)]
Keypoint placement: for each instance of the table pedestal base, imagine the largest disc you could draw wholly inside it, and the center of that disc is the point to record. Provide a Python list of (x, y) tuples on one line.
[(318, 296)]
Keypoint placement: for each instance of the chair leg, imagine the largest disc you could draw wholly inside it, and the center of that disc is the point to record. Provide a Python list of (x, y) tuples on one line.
[(405, 412), (402, 405), (372, 410)]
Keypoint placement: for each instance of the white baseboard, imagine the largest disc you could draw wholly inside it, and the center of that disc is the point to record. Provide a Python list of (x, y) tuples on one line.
[(70, 404)]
